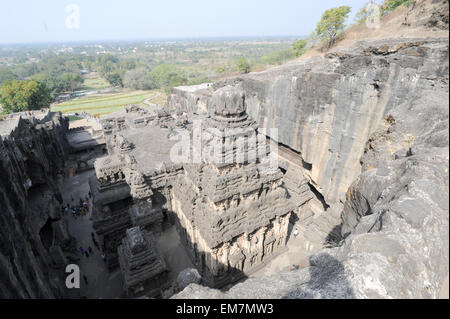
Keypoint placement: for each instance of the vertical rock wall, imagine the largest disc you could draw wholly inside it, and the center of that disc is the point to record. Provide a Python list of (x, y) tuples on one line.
[(32, 234)]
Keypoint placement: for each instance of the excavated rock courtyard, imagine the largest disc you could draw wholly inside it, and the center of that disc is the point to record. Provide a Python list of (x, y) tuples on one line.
[(324, 177)]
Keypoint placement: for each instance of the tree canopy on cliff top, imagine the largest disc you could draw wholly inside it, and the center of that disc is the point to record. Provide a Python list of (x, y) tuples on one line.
[(332, 24)]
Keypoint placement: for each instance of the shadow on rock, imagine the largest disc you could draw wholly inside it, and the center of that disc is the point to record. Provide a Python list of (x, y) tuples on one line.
[(327, 280)]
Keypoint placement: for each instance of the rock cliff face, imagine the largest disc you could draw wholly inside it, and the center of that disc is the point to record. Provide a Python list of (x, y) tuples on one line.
[(371, 123), (32, 236)]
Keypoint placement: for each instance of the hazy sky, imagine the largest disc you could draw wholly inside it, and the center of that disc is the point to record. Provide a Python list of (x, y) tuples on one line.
[(52, 20)]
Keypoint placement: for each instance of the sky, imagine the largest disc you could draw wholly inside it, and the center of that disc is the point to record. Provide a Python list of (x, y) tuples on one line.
[(91, 20)]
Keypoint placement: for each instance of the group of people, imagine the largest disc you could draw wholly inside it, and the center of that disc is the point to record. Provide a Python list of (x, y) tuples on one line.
[(88, 116), (86, 252), (80, 209), (77, 209)]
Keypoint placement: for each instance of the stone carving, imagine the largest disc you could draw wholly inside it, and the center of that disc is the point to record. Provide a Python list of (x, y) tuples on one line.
[(349, 118), (219, 212), (143, 268), (388, 238)]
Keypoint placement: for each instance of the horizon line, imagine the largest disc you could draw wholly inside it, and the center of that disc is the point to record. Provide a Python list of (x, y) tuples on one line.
[(141, 39)]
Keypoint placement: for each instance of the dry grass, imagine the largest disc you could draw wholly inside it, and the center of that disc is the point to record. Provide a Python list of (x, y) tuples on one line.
[(392, 26)]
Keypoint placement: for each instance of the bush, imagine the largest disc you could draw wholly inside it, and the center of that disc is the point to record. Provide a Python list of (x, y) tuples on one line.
[(279, 57), (391, 5), (299, 47), (243, 65)]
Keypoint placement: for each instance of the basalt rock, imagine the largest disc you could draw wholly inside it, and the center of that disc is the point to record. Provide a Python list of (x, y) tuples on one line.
[(326, 108), (371, 123), (33, 237)]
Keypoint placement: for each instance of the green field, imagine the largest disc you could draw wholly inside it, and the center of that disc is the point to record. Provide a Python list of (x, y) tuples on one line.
[(74, 118), (95, 84), (108, 103)]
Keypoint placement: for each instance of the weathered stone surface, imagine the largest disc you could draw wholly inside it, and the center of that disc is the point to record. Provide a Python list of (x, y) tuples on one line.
[(187, 277), (130, 183), (363, 137), (143, 268), (32, 237), (231, 208), (378, 113), (236, 212), (429, 13), (327, 107)]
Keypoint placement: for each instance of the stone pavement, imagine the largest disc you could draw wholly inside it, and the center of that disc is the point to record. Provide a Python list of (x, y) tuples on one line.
[(173, 251), (101, 283)]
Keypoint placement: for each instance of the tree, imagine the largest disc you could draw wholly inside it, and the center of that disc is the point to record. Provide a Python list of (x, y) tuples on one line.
[(332, 24), (114, 79), (139, 79), (243, 65), (168, 76), (71, 81), (18, 96), (299, 47), (59, 82), (106, 63), (6, 75), (362, 15)]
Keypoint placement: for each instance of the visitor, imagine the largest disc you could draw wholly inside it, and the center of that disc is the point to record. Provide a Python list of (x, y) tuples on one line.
[(296, 233), (86, 253), (104, 257), (82, 250), (90, 250)]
